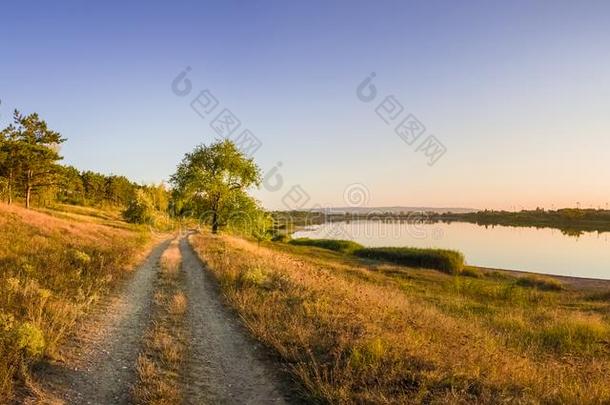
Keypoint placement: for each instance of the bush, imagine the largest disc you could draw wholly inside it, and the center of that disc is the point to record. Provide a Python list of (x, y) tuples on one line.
[(448, 261), (344, 246), (254, 276), (281, 237), (472, 272), (30, 339), (541, 283), (141, 209)]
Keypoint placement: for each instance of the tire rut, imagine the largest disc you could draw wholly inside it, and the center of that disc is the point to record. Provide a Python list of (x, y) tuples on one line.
[(100, 368), (225, 365)]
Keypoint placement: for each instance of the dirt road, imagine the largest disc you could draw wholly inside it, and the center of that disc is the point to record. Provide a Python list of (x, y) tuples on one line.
[(224, 365), (101, 359)]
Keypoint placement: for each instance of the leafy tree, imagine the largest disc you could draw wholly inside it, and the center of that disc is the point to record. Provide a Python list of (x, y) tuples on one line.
[(70, 186), (10, 163), (159, 195), (213, 180), (141, 209), (119, 190), (261, 226), (31, 154), (95, 186)]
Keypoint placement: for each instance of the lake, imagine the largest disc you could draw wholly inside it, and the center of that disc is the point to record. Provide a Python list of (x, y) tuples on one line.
[(540, 250)]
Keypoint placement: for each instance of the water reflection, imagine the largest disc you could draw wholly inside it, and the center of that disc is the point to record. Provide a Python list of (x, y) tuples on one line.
[(543, 250)]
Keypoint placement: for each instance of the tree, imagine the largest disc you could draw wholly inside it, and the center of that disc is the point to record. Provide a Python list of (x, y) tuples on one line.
[(214, 180), (119, 190), (31, 154), (95, 187), (70, 186), (261, 226), (141, 209), (9, 160)]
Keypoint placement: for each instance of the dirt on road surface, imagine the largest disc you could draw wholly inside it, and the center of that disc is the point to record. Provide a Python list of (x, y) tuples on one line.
[(225, 365), (99, 366)]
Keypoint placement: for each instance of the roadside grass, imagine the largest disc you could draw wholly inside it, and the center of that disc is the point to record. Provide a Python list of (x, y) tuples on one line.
[(344, 246), (160, 362), (353, 331), (51, 271)]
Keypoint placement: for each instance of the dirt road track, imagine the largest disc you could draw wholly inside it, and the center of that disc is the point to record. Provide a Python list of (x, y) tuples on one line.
[(226, 366), (100, 362)]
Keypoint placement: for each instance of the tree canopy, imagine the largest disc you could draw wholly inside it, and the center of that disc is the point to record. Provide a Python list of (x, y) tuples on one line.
[(212, 182), (31, 152)]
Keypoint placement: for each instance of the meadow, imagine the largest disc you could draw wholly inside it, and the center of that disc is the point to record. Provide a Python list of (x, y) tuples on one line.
[(354, 330), (53, 268)]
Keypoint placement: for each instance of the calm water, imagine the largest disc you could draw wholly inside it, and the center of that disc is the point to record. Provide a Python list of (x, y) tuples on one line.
[(526, 249)]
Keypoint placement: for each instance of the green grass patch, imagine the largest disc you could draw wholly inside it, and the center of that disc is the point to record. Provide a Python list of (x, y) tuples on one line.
[(541, 283), (469, 271), (447, 261), (343, 246)]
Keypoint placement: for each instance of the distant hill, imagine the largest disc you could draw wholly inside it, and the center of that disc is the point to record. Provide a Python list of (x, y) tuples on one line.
[(392, 210)]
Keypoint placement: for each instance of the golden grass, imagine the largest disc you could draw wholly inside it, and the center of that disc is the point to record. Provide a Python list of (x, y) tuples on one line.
[(179, 304), (160, 363), (361, 333), (51, 271), (171, 260)]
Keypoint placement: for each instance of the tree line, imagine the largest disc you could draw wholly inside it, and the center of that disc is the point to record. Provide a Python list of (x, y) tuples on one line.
[(210, 185), (30, 170)]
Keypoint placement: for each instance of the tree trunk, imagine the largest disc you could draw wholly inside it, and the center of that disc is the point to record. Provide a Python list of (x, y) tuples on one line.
[(28, 189), (28, 193), (215, 222), (10, 187)]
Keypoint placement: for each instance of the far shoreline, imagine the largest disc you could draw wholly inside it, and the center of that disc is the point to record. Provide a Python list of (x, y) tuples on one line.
[(579, 283)]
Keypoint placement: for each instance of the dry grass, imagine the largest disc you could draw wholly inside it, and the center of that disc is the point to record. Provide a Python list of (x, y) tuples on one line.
[(358, 333), (171, 260), (159, 364), (51, 271), (179, 304)]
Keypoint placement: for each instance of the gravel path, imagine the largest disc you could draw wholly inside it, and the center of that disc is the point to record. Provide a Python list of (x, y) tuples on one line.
[(225, 365), (100, 361)]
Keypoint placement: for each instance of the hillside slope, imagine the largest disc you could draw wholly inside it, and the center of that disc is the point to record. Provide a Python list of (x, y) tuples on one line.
[(52, 268)]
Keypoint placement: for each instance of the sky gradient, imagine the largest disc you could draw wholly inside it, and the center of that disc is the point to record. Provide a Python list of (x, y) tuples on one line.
[(518, 92)]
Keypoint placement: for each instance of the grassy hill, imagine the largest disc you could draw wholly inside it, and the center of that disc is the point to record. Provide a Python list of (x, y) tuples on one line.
[(53, 265), (360, 331)]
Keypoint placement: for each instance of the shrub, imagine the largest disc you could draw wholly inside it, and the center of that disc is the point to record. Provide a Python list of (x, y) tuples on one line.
[(30, 339), (472, 272), (141, 209), (448, 261), (254, 276), (281, 237), (541, 283), (344, 246), (80, 258)]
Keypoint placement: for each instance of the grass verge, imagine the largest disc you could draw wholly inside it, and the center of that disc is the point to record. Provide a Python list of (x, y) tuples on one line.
[(360, 332), (51, 271)]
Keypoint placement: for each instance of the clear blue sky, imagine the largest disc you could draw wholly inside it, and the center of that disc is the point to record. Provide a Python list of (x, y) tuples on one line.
[(518, 92)]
